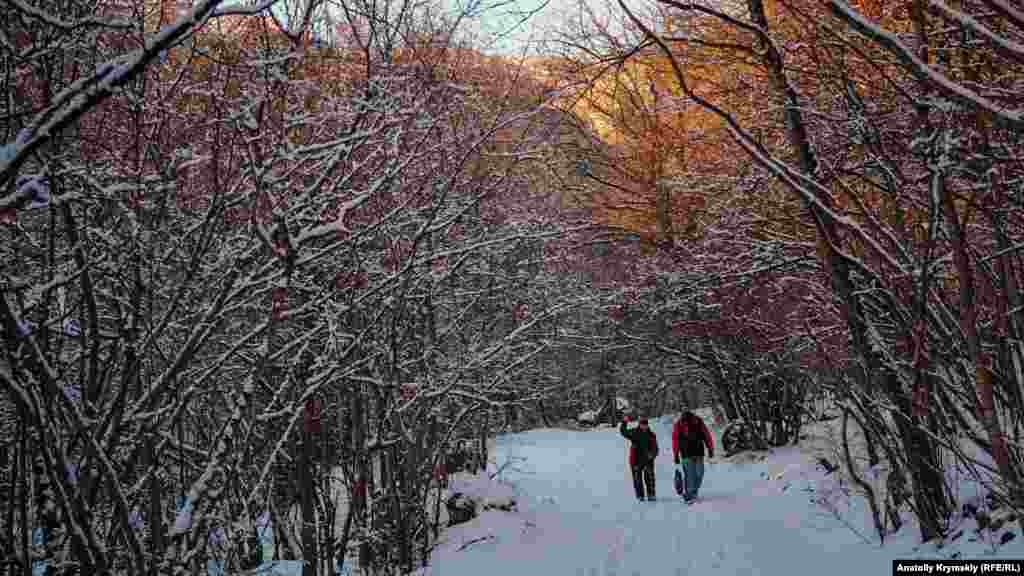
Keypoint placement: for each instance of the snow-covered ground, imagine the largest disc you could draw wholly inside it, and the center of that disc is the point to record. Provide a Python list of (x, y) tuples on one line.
[(576, 515)]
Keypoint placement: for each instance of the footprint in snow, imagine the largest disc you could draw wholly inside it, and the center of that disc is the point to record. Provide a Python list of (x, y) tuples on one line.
[(717, 558), (629, 540), (613, 560)]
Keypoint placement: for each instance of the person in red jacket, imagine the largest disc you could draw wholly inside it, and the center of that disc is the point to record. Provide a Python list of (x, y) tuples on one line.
[(689, 437), (642, 452)]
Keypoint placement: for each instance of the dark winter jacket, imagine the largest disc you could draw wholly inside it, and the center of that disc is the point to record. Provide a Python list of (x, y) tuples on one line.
[(689, 436), (643, 445)]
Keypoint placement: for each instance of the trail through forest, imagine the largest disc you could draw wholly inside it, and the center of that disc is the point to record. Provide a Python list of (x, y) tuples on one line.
[(576, 515)]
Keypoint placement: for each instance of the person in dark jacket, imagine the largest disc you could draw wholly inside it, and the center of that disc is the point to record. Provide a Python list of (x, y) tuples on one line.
[(642, 452), (689, 437)]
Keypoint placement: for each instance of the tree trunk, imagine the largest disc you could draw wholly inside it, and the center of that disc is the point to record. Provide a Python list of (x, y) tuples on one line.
[(930, 499), (346, 531), (400, 514), (484, 432), (543, 414), (10, 458), (156, 514), (26, 469), (362, 473), (664, 210), (309, 552)]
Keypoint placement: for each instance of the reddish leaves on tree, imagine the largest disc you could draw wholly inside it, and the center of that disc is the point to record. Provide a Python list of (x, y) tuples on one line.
[(281, 245), (236, 215), (311, 416), (329, 215), (919, 402), (264, 208), (439, 265), (194, 202), (279, 302), (494, 215), (630, 296), (396, 255), (355, 279), (408, 391), (359, 492), (8, 215)]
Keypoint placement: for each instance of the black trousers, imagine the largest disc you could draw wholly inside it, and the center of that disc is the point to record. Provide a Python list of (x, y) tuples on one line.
[(643, 477)]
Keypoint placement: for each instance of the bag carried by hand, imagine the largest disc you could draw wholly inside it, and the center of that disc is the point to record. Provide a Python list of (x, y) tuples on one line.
[(678, 481)]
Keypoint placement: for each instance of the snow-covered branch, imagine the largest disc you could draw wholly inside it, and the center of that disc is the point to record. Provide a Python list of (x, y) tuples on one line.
[(1011, 117)]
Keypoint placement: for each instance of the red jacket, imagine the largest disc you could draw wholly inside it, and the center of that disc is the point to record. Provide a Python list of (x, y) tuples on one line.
[(643, 441), (693, 444)]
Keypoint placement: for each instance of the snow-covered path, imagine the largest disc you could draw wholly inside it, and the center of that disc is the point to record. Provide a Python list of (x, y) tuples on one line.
[(576, 515)]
